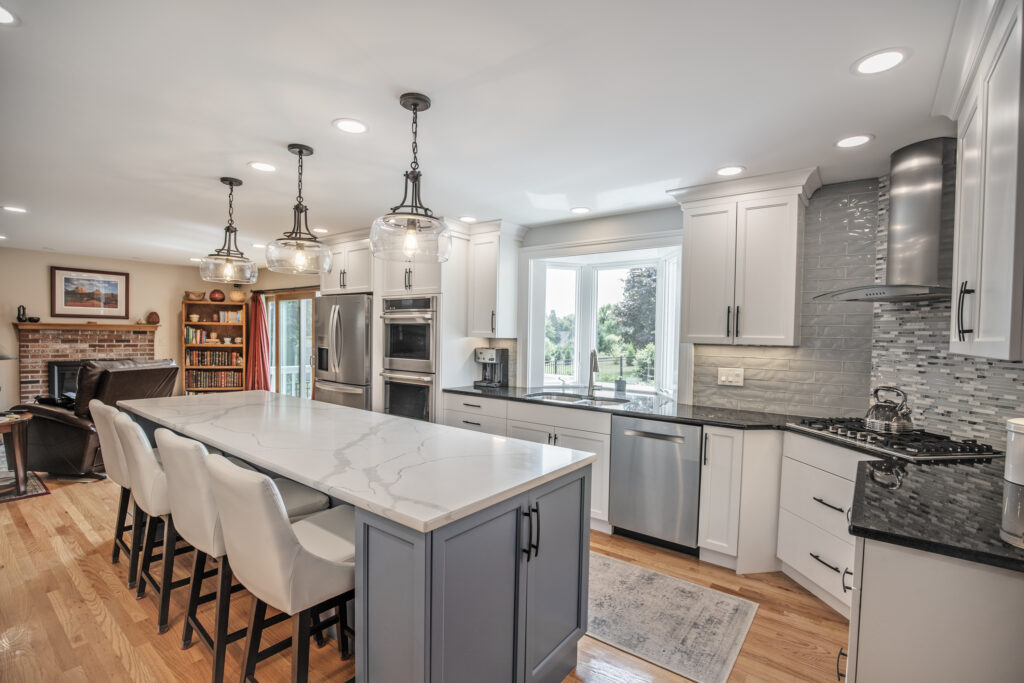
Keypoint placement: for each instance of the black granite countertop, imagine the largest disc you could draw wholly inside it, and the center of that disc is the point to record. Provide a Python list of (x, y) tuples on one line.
[(952, 510), (645, 405)]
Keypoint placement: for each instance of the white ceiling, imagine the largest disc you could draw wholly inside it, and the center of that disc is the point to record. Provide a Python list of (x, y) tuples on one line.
[(117, 117)]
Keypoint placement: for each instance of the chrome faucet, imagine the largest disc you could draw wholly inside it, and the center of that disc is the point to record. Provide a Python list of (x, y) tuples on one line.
[(593, 368)]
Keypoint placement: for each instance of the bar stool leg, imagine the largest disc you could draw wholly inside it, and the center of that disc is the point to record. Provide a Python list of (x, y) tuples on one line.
[(166, 573), (138, 535), (344, 643), (257, 615), (195, 588), (147, 556), (302, 624), (220, 626), (119, 524)]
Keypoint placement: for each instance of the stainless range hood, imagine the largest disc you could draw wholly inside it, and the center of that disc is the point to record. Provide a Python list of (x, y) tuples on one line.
[(919, 266)]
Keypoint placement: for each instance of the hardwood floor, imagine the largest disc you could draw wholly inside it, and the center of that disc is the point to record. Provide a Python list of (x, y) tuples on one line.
[(66, 614)]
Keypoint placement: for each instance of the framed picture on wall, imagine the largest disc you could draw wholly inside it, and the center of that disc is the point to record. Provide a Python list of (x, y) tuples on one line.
[(80, 293)]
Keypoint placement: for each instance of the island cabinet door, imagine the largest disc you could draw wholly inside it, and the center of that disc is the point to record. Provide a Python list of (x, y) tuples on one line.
[(477, 581), (557, 571)]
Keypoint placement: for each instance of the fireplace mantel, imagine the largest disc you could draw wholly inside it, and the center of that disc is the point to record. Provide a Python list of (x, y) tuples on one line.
[(115, 327)]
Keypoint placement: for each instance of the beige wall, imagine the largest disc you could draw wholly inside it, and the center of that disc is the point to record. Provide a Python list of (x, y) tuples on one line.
[(25, 280)]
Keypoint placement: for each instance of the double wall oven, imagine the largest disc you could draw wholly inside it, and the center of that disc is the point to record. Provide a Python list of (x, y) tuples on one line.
[(410, 356)]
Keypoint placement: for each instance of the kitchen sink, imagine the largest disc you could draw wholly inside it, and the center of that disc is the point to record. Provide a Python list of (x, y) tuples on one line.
[(579, 399), (556, 397)]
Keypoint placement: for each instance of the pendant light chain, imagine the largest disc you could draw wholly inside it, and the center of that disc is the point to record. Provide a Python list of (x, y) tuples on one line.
[(299, 197), (231, 206), (415, 133)]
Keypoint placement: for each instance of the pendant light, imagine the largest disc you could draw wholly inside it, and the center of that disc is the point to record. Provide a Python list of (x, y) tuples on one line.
[(228, 264), (298, 252), (410, 232)]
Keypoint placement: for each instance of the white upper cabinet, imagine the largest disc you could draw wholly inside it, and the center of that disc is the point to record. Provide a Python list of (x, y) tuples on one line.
[(742, 248), (491, 290), (409, 277), (351, 269), (988, 272)]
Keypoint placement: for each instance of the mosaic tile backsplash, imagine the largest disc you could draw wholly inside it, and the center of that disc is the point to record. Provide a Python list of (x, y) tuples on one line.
[(962, 396), (829, 373)]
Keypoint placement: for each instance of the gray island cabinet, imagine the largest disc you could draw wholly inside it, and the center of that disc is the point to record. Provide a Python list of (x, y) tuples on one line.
[(471, 550)]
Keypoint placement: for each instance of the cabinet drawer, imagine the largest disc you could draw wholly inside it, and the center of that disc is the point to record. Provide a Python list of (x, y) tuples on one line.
[(476, 405), (825, 456), (812, 494), (569, 418), (799, 541), (475, 422)]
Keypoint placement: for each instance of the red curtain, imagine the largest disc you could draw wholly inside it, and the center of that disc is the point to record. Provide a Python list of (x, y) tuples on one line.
[(257, 363)]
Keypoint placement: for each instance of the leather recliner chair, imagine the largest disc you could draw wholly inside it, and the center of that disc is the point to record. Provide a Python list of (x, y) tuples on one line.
[(63, 441)]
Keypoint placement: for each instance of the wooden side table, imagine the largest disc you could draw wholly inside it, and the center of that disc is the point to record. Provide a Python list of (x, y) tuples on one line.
[(16, 449)]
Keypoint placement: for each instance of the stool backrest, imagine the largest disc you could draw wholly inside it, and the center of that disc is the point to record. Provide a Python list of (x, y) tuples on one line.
[(110, 443), (149, 483), (190, 492), (260, 542)]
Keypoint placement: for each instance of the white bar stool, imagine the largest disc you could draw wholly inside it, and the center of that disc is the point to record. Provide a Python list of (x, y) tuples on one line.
[(117, 469), (300, 569), (149, 488), (194, 510)]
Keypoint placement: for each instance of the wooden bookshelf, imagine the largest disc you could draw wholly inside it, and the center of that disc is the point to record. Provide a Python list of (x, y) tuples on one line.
[(209, 365)]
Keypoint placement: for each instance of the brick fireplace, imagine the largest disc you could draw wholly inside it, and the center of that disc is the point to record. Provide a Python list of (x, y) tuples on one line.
[(39, 343)]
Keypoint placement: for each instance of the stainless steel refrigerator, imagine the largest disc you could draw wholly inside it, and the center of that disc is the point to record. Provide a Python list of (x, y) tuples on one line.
[(342, 358)]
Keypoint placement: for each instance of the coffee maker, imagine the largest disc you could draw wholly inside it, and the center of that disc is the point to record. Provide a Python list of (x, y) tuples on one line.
[(495, 368)]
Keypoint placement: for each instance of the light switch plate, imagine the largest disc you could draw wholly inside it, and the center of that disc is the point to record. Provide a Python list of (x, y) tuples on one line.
[(730, 377)]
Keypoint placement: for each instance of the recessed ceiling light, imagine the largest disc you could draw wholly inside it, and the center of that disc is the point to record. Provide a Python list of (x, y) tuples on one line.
[(3, 237), (467, 219), (347, 125), (580, 210), (15, 209), (262, 166), (196, 259), (731, 170), (855, 141), (259, 246), (6, 17), (879, 62), (320, 230)]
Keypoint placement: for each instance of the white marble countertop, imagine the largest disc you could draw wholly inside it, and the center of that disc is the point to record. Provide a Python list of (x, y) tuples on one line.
[(419, 474)]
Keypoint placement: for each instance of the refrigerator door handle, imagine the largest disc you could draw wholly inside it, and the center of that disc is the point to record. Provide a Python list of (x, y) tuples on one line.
[(336, 330), (332, 340)]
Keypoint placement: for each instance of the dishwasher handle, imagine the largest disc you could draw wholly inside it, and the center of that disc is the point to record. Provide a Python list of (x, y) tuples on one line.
[(654, 435)]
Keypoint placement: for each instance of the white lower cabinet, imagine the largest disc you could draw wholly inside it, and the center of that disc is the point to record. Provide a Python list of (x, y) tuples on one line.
[(814, 542), (739, 498), (477, 423)]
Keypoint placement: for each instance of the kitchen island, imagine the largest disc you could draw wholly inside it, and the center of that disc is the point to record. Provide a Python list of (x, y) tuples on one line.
[(471, 549)]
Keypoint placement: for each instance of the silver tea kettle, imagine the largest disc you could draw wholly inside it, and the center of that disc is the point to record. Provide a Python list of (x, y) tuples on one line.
[(889, 416)]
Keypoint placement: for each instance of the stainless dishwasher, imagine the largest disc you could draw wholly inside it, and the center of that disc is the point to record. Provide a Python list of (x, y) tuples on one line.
[(654, 480)]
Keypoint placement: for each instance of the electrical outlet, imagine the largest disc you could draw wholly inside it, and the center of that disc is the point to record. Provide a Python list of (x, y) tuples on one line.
[(730, 377)]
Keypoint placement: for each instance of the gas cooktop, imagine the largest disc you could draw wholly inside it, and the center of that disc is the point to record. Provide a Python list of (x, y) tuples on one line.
[(915, 446)]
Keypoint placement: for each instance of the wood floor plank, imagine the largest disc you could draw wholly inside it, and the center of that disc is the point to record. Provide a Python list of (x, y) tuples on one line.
[(66, 613)]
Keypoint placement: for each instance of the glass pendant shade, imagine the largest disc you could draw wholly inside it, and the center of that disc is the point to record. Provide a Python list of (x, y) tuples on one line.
[(410, 237), (298, 251), (228, 264)]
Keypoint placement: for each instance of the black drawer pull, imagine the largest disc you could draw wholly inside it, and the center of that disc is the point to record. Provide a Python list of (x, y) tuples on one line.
[(818, 558), (467, 422), (536, 546), (529, 543), (839, 674), (828, 505), (472, 405), (845, 587)]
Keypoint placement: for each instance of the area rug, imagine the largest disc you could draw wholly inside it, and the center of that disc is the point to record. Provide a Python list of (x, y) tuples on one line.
[(33, 486), (690, 630)]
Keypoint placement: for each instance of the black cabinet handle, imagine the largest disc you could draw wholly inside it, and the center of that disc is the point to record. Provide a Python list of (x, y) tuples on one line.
[(341, 276), (839, 674), (705, 448), (529, 543), (549, 438), (555, 440), (467, 422), (471, 405), (408, 278), (728, 321), (493, 321), (828, 505), (737, 330), (536, 546), (344, 279), (818, 558), (962, 332), (845, 587)]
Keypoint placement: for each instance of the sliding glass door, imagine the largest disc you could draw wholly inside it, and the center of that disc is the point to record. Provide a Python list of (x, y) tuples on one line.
[(290, 323)]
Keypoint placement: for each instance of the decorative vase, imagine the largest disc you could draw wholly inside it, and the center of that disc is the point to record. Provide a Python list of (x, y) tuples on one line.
[(191, 295), (237, 295), (153, 318), (216, 295)]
